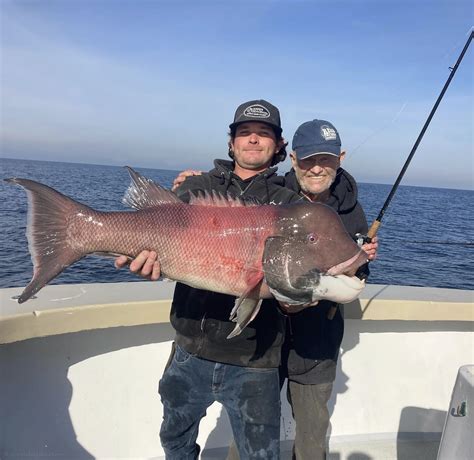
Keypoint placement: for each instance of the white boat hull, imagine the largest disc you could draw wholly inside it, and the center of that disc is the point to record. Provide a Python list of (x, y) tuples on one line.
[(82, 382)]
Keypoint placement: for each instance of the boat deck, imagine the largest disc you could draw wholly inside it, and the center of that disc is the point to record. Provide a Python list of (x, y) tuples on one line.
[(359, 450)]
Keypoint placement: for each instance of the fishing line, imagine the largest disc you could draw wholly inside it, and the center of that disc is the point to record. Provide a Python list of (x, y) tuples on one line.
[(446, 57), (376, 132), (376, 224)]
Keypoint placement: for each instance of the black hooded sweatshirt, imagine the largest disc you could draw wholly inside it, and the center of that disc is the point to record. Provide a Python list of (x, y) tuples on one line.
[(201, 318), (312, 340)]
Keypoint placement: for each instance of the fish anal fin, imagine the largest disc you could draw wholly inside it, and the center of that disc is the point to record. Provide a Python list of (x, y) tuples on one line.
[(245, 313), (247, 306)]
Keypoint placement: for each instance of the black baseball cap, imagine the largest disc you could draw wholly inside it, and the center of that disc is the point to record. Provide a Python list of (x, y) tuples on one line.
[(258, 110)]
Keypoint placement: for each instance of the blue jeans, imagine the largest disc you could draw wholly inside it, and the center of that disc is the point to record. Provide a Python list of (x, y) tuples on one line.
[(251, 397)]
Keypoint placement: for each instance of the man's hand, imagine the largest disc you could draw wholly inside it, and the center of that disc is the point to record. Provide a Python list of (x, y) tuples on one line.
[(145, 264), (182, 177), (371, 248)]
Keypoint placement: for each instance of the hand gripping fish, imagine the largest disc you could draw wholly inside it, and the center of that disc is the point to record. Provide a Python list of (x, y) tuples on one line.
[(299, 253)]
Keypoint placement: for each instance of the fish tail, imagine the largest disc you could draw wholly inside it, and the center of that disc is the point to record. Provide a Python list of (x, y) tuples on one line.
[(46, 231)]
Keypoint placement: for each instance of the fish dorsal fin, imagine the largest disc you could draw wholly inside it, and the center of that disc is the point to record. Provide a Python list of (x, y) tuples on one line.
[(218, 199), (143, 193)]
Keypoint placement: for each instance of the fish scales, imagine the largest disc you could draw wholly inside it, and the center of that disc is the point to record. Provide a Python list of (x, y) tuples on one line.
[(204, 246)]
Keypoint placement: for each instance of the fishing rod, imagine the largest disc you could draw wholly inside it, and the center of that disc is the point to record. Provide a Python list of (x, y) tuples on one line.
[(376, 224)]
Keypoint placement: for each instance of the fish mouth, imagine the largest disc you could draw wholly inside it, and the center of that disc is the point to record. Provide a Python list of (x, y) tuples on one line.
[(342, 268), (352, 282), (344, 271), (314, 286), (338, 283), (337, 288)]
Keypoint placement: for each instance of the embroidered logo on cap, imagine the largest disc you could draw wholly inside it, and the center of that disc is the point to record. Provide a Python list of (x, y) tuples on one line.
[(328, 133), (256, 111)]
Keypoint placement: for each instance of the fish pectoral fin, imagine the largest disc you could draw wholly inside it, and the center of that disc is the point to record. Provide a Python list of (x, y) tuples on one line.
[(245, 310)]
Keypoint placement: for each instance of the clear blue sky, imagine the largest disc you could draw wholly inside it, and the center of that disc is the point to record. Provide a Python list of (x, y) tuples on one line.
[(155, 83)]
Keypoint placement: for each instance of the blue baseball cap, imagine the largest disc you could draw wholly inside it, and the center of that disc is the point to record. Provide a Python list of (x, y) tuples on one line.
[(316, 137)]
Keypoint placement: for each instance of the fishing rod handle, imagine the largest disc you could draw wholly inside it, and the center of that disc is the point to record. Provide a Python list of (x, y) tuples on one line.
[(374, 228)]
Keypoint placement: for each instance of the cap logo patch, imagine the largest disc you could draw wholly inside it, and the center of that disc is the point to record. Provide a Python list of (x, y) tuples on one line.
[(256, 111), (328, 133)]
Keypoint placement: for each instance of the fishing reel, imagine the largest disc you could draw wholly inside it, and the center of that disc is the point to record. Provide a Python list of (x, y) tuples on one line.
[(362, 239)]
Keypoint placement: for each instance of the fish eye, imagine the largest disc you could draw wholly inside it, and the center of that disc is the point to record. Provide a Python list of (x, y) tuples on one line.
[(312, 238)]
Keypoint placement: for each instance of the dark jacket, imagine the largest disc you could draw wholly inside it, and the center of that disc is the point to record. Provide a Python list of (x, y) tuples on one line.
[(201, 318), (312, 340)]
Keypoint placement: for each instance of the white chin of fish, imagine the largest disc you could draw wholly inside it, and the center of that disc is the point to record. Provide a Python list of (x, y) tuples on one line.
[(339, 288)]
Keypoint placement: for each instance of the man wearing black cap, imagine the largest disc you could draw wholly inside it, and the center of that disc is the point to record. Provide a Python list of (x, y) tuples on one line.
[(314, 335), (205, 366)]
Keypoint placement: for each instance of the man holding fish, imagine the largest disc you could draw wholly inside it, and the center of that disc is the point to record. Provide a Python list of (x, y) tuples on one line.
[(316, 179), (240, 372), (206, 366)]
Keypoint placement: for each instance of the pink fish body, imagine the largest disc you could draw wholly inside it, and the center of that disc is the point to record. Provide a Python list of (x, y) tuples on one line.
[(213, 243), (202, 245)]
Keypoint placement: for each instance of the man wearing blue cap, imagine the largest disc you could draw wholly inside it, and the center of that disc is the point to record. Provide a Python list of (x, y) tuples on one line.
[(314, 335)]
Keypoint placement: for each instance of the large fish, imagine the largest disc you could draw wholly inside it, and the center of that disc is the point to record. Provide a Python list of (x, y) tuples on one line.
[(300, 253)]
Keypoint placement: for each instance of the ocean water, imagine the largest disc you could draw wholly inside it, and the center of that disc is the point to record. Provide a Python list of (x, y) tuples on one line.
[(426, 237)]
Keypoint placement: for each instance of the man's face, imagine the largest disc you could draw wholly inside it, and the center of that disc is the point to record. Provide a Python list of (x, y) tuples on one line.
[(315, 174), (254, 145)]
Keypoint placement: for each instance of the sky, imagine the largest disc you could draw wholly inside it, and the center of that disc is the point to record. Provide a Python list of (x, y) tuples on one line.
[(156, 83)]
